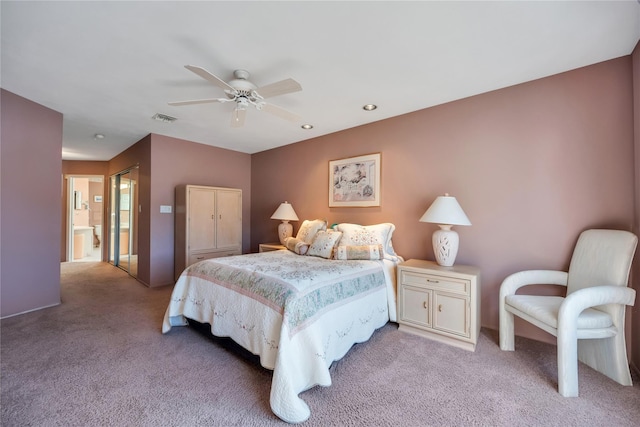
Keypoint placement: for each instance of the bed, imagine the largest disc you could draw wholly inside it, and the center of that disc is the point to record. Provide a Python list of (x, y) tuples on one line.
[(298, 309)]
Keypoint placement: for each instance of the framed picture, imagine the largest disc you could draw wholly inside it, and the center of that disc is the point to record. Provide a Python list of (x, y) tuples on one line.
[(97, 199), (355, 181)]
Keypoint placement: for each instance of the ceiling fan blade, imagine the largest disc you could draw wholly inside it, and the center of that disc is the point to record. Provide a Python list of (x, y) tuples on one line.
[(280, 112), (279, 88), (237, 117), (208, 76), (196, 101)]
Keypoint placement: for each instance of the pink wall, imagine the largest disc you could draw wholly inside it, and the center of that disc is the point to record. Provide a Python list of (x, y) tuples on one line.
[(174, 162), (30, 188), (139, 155), (532, 166), (635, 310)]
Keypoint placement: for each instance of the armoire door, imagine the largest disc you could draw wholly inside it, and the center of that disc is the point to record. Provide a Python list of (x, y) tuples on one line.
[(229, 221), (202, 221)]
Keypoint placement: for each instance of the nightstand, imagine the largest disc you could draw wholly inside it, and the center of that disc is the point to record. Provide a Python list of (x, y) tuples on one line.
[(440, 303), (266, 247)]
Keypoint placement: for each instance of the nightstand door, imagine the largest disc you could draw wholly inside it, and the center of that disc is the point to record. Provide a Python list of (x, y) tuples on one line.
[(451, 314), (415, 305)]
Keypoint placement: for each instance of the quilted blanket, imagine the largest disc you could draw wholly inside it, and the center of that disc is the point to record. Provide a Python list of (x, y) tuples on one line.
[(298, 313)]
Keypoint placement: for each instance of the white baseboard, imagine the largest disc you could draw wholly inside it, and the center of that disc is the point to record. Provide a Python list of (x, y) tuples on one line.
[(29, 311)]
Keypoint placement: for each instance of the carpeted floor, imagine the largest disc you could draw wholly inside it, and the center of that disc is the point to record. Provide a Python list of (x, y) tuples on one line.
[(99, 359)]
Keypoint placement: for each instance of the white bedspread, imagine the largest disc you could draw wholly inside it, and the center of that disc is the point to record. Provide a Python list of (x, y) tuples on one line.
[(298, 313)]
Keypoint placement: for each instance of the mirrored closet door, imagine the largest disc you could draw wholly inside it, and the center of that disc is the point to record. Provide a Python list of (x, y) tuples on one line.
[(123, 242)]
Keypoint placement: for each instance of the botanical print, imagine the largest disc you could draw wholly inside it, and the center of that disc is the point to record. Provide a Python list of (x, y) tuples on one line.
[(355, 181)]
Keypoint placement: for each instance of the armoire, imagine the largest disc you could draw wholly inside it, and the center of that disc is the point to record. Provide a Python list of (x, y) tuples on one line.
[(208, 224)]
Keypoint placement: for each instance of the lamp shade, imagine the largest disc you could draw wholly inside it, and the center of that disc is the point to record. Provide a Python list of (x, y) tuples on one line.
[(285, 212), (445, 210)]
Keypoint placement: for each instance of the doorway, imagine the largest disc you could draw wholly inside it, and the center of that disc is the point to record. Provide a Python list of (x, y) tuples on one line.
[(85, 218), (123, 224)]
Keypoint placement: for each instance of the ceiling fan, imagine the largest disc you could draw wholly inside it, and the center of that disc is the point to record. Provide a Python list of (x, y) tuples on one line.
[(244, 93)]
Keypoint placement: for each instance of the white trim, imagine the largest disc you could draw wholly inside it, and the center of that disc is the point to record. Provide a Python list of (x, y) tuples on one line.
[(29, 311)]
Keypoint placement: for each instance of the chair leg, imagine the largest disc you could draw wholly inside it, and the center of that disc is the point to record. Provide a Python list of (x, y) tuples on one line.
[(568, 362), (607, 356), (507, 331)]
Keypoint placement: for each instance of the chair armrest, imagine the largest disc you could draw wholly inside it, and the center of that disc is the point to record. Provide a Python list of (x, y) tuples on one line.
[(594, 296), (531, 277), (510, 285)]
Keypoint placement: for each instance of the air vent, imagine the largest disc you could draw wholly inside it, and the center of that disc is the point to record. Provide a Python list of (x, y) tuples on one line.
[(163, 118)]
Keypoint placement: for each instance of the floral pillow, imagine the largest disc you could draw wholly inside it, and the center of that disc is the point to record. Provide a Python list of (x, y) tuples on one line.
[(308, 229), (368, 252), (324, 244), (379, 234), (296, 245)]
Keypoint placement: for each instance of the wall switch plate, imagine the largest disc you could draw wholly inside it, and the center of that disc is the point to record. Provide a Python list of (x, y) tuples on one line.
[(165, 209)]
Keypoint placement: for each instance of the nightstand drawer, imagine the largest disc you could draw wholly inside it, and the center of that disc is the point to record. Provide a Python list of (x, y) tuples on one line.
[(435, 282)]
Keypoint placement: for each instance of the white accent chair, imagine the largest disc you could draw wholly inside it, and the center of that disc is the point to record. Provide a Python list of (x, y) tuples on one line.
[(589, 321)]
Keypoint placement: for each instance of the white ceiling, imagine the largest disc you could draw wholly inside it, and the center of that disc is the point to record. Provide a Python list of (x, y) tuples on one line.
[(110, 66)]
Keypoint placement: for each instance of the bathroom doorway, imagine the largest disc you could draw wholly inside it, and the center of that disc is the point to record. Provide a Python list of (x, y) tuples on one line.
[(85, 218)]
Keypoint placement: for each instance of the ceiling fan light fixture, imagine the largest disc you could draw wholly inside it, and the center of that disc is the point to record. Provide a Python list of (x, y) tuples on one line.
[(369, 107), (245, 93)]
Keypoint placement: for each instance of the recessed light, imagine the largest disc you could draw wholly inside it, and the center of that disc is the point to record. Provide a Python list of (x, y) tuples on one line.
[(307, 126), (98, 136), (369, 107)]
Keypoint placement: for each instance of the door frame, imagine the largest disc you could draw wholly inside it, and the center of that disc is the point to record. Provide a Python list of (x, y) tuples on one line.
[(70, 211)]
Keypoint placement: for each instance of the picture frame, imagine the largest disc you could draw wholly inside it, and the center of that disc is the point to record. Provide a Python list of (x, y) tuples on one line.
[(355, 181), (97, 199)]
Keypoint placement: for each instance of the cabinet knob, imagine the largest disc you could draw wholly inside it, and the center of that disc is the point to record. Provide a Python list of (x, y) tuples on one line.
[(433, 281), (424, 304), (439, 307)]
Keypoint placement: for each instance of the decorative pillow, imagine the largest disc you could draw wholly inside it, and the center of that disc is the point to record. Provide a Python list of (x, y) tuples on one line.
[(378, 234), (324, 243), (308, 229), (369, 252), (296, 245)]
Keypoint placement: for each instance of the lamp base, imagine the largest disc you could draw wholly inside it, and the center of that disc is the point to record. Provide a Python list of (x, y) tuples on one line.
[(445, 245), (284, 230)]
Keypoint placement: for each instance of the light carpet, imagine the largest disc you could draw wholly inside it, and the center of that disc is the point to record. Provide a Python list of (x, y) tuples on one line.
[(99, 359)]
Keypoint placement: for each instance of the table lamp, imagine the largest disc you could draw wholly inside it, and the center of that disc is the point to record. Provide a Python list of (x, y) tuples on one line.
[(285, 213), (446, 212)]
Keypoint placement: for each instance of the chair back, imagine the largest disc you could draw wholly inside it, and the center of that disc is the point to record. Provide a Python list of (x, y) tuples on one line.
[(601, 257)]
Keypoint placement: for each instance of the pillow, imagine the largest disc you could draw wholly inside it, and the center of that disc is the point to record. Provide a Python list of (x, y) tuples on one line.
[(296, 245), (324, 243), (369, 252), (308, 229), (379, 234)]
